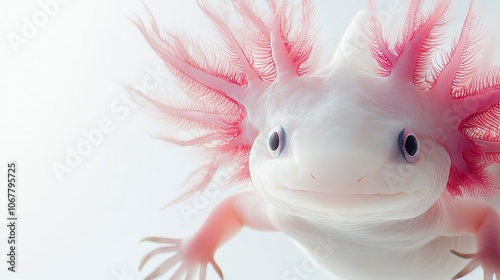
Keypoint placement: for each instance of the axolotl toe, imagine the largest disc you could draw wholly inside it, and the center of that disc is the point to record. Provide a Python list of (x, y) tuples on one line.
[(381, 153)]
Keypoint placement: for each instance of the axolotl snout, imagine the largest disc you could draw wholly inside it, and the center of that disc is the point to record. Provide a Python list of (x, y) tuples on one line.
[(361, 153)]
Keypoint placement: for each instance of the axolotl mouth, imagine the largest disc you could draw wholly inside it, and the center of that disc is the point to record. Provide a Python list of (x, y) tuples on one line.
[(329, 201)]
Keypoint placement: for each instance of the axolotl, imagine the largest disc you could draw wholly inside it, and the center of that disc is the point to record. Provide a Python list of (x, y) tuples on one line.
[(382, 149)]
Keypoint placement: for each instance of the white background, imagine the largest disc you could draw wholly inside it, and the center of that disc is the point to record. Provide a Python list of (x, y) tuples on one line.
[(67, 78)]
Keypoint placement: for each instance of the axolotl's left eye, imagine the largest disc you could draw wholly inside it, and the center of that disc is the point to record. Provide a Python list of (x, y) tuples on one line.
[(276, 141), (408, 145)]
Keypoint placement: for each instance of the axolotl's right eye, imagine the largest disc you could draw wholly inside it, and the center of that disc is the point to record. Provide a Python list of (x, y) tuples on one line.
[(276, 141), (408, 145)]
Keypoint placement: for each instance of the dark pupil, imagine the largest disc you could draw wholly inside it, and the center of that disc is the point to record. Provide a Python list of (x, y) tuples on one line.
[(411, 145), (274, 141)]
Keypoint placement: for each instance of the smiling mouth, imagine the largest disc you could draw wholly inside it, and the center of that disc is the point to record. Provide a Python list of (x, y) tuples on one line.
[(354, 202), (333, 195)]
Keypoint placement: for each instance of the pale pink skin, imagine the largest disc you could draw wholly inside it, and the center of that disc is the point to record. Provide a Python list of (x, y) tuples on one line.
[(340, 177)]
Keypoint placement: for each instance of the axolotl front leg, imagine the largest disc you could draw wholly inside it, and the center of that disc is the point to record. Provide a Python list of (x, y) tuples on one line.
[(246, 208), (468, 216)]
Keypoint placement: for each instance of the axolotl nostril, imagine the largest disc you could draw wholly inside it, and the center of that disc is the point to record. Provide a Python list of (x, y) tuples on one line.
[(366, 151)]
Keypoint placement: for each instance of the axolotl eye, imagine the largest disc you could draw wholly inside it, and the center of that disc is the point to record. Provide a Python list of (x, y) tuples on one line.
[(276, 141), (408, 145)]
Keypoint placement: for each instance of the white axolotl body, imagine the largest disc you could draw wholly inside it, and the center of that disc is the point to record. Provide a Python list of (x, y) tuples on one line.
[(364, 168)]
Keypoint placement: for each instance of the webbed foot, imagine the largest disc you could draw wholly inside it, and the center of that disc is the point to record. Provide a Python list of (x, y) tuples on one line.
[(194, 259), (488, 258)]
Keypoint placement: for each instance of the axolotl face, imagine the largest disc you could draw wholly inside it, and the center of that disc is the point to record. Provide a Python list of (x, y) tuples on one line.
[(347, 144), (368, 136)]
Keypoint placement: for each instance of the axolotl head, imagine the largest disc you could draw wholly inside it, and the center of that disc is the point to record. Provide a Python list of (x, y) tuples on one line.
[(381, 128), (346, 142)]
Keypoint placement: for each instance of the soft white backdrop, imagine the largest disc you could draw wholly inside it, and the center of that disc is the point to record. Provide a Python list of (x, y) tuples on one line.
[(64, 78)]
